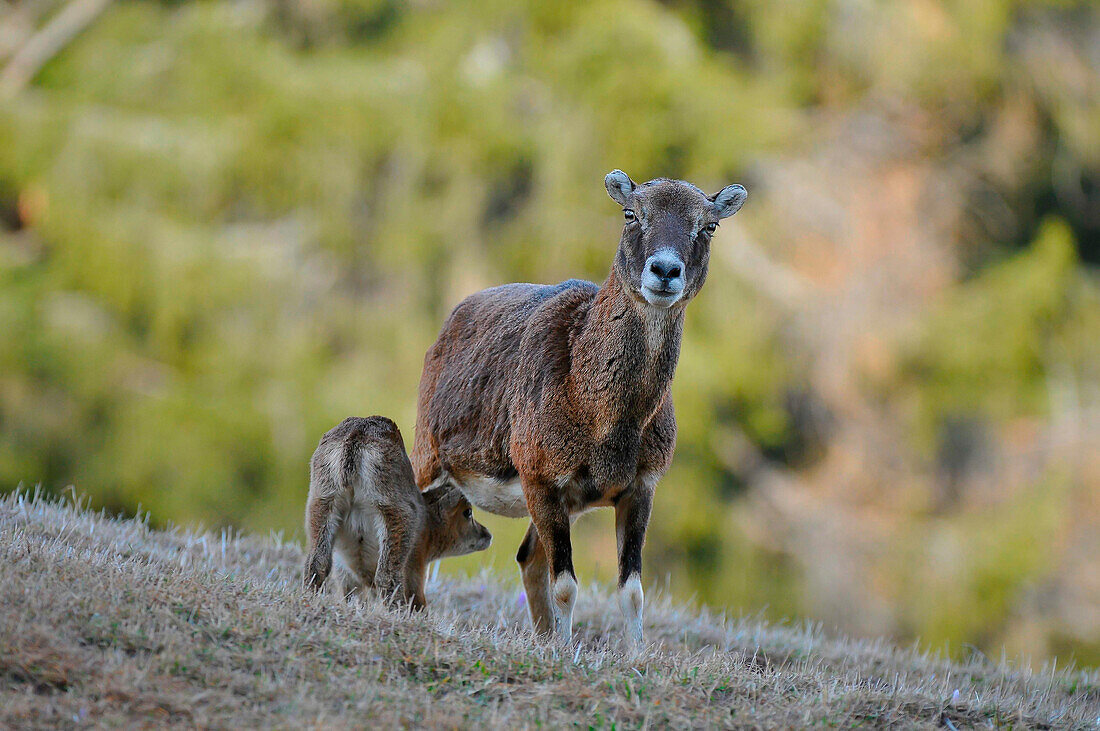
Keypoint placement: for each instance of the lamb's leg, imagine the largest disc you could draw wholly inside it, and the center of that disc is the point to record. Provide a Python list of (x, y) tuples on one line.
[(551, 519), (631, 520), (416, 578), (357, 571), (351, 583), (536, 581), (402, 524), (324, 514)]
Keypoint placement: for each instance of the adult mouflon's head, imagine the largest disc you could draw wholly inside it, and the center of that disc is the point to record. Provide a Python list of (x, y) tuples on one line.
[(665, 247)]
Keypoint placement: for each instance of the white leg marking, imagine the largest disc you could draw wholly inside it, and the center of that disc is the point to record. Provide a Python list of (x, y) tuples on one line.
[(564, 593), (631, 601)]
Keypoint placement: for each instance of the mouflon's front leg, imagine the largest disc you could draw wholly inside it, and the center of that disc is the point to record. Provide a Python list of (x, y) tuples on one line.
[(550, 518), (631, 519)]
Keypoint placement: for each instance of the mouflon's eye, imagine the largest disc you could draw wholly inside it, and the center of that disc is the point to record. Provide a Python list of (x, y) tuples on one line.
[(629, 215), (467, 513), (711, 227)]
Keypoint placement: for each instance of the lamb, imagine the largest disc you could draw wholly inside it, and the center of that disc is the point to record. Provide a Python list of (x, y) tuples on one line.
[(364, 505)]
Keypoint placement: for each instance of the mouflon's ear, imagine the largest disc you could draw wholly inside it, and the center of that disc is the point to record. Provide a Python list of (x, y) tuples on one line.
[(729, 200), (619, 186), (444, 497)]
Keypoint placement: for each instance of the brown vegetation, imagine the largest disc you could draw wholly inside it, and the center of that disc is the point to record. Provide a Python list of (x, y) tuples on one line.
[(107, 622)]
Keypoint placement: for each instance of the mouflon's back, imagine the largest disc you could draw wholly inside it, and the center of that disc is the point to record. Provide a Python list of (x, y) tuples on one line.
[(473, 368)]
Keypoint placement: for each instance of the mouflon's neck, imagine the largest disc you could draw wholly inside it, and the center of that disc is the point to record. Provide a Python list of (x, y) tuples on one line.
[(617, 312), (625, 352), (428, 545)]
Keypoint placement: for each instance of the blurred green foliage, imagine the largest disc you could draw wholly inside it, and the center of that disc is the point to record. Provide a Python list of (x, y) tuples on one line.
[(226, 225), (987, 351)]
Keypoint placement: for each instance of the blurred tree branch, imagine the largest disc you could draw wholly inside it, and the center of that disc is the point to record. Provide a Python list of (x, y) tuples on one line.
[(778, 282), (46, 43)]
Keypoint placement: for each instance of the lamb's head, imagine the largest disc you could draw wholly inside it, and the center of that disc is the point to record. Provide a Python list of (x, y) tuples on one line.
[(665, 246), (454, 532)]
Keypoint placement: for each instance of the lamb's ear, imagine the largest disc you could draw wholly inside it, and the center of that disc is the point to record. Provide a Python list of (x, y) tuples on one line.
[(619, 186), (445, 496), (729, 200), (453, 499)]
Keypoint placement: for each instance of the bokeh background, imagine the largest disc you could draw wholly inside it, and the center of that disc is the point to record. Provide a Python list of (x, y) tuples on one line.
[(225, 225)]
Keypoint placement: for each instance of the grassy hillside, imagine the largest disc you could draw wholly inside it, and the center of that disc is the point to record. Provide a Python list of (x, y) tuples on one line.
[(227, 225), (110, 622)]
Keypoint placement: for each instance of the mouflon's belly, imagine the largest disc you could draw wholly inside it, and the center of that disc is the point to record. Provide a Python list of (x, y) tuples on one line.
[(494, 495), (505, 497)]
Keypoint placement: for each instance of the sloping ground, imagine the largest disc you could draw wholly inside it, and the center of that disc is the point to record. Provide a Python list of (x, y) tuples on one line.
[(107, 622)]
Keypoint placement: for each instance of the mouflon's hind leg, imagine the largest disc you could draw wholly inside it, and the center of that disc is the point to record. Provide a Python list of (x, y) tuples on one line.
[(536, 581), (631, 520), (400, 525), (551, 519), (349, 584), (324, 514)]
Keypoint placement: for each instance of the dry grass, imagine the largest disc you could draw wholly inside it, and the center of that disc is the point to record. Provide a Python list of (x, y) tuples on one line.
[(107, 622)]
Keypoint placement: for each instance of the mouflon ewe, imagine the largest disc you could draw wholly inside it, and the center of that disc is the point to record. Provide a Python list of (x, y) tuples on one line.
[(364, 505), (546, 401)]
